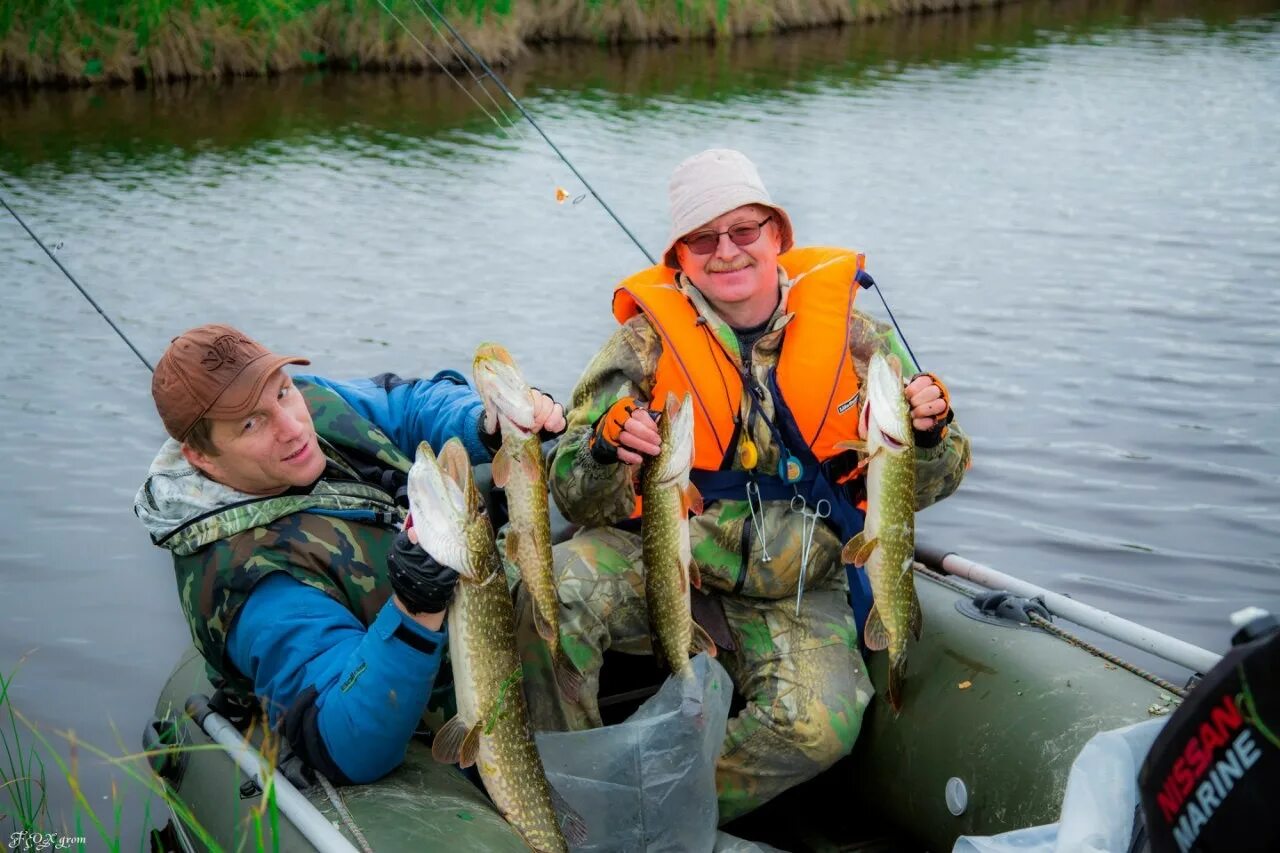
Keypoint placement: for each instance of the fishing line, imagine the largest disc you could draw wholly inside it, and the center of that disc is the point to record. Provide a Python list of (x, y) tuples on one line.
[(866, 282), (445, 68), (83, 292), (480, 82), (519, 106)]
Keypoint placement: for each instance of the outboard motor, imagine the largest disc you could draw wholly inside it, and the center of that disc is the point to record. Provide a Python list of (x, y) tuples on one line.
[(1211, 779)]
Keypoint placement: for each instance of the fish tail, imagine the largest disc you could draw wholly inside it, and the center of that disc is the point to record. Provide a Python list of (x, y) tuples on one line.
[(568, 678), (897, 677)]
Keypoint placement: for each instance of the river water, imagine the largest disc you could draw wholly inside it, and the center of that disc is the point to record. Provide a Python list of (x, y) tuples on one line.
[(1074, 210)]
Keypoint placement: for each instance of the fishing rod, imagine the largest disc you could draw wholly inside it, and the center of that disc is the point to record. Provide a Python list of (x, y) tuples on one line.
[(864, 280), (488, 72), (83, 292)]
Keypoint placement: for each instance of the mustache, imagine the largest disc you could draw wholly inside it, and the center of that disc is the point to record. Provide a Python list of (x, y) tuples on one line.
[(739, 263)]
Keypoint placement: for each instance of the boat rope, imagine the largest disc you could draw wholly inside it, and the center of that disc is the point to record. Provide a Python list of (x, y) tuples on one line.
[(344, 813), (1044, 624), (1047, 626), (83, 292)]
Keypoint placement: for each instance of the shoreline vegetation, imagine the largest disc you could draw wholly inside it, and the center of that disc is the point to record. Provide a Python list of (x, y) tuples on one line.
[(85, 42)]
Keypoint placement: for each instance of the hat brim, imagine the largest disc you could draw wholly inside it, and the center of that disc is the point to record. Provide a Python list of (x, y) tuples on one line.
[(242, 395), (785, 233)]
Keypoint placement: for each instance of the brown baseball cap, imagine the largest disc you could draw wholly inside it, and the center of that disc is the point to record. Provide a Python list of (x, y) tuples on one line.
[(212, 371)]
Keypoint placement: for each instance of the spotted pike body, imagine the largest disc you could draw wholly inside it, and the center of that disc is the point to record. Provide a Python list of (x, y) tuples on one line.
[(667, 497), (519, 469), (886, 545), (492, 728)]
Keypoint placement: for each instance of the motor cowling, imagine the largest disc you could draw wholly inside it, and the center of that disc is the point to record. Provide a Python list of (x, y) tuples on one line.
[(1209, 782)]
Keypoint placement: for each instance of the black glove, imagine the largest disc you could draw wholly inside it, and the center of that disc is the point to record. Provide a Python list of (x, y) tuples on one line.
[(421, 584)]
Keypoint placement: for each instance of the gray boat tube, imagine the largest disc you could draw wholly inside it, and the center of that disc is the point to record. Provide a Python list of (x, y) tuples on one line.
[(1108, 624), (292, 804)]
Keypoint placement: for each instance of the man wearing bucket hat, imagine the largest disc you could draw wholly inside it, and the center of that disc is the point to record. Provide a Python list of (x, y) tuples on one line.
[(281, 500), (759, 333)]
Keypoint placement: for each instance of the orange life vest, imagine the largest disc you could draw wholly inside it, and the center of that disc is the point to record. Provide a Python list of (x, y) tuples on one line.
[(815, 373)]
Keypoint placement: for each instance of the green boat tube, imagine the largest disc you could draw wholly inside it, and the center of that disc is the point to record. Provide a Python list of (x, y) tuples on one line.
[(996, 710)]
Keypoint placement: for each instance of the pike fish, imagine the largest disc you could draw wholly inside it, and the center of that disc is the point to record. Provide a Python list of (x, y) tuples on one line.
[(886, 545), (668, 497), (518, 468), (492, 728)]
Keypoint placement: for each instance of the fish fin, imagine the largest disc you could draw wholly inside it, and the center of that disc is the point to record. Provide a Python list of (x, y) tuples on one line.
[(874, 635), (568, 679), (572, 826), (895, 364), (695, 575), (860, 446), (701, 641), (450, 743), (859, 549), (470, 747), (917, 615), (542, 624), (501, 469), (692, 500), (897, 677)]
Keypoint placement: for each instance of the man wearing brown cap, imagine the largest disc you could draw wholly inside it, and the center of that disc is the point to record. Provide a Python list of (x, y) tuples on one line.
[(281, 499), (765, 339)]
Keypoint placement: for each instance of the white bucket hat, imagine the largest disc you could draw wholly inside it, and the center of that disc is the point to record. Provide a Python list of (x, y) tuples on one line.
[(711, 184)]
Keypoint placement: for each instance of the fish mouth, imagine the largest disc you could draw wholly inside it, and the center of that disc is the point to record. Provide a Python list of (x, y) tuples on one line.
[(887, 403), (440, 510), (502, 388)]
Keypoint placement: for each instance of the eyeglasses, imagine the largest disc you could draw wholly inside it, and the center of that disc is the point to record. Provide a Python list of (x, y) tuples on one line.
[(742, 234)]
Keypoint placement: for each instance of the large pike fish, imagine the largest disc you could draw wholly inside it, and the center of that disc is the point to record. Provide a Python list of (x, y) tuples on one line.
[(668, 497), (518, 468), (492, 728), (886, 545)]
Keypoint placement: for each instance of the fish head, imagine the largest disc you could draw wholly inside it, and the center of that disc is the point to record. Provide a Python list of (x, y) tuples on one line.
[(675, 428), (887, 413), (448, 514), (501, 386)]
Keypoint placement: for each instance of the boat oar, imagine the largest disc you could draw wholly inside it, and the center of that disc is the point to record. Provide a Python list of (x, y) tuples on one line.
[(1108, 624)]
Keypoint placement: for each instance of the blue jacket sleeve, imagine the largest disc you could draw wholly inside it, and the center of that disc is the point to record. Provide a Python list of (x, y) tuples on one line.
[(371, 686), (414, 410)]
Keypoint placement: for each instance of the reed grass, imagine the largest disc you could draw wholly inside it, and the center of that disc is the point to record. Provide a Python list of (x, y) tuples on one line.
[(23, 780), (115, 41)]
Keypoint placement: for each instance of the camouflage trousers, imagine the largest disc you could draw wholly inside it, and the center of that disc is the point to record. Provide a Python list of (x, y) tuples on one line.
[(804, 683)]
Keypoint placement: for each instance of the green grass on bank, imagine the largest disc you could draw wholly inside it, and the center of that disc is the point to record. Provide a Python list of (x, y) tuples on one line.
[(86, 41)]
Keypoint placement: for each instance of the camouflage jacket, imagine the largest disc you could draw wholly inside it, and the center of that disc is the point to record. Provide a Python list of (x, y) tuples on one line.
[(335, 538), (595, 494)]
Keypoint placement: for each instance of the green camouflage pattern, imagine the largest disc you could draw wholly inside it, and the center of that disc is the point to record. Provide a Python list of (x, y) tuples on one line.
[(596, 495), (805, 684), (219, 559), (804, 681)]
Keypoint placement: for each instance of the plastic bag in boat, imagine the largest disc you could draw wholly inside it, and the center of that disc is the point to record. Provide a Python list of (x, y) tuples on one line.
[(648, 783), (1098, 807)]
